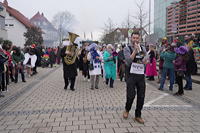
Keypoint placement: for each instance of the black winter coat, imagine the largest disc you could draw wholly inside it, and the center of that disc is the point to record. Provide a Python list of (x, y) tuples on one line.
[(71, 70)]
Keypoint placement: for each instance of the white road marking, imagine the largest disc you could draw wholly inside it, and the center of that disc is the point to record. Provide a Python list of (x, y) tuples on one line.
[(168, 106), (154, 100)]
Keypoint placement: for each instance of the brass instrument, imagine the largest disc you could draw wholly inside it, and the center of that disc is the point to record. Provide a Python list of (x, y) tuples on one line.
[(72, 49)]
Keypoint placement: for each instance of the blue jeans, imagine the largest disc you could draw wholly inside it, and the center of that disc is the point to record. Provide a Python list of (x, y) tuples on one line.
[(188, 79), (164, 75)]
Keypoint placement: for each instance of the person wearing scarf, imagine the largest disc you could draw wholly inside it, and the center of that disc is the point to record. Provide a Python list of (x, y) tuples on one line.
[(95, 65), (110, 57)]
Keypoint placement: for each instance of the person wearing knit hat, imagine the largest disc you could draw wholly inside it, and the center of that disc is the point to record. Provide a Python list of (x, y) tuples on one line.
[(180, 67), (181, 50)]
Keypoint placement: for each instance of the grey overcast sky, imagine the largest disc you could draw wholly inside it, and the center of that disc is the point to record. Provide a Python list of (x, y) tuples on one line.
[(90, 14)]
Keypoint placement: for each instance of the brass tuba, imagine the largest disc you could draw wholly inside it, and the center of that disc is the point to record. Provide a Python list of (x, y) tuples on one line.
[(72, 48)]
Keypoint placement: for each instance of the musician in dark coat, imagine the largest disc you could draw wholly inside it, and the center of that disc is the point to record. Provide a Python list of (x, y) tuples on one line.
[(69, 70)]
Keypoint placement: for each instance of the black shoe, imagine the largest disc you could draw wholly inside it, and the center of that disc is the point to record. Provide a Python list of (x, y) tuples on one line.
[(16, 81), (12, 80), (72, 89), (65, 87), (178, 94), (92, 88), (160, 89), (23, 80), (151, 79), (34, 73), (188, 89), (96, 87)]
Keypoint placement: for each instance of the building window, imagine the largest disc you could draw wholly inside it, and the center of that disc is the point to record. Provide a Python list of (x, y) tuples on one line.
[(191, 26), (2, 22), (11, 25), (191, 30)]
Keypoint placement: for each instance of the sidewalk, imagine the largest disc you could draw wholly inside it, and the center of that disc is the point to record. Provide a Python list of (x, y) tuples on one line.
[(47, 108), (15, 90)]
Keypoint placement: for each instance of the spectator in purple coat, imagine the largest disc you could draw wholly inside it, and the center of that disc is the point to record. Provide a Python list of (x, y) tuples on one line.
[(180, 67)]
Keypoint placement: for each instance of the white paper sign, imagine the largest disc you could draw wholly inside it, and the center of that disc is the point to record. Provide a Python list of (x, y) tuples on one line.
[(137, 68)]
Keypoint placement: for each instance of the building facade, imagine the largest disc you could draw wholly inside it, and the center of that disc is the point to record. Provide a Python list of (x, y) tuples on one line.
[(16, 25), (3, 32), (50, 34), (160, 16), (183, 18)]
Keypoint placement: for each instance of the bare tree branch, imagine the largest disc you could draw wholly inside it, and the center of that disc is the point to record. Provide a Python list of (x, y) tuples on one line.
[(63, 20), (109, 26), (108, 34)]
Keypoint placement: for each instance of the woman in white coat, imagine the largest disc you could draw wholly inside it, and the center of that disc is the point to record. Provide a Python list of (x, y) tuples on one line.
[(94, 56)]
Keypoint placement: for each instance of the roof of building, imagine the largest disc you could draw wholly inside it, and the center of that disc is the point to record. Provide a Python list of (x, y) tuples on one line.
[(41, 18), (124, 31), (16, 14)]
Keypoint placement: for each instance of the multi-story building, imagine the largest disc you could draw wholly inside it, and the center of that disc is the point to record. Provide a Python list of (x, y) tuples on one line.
[(16, 25), (183, 18), (50, 34), (160, 16), (3, 32)]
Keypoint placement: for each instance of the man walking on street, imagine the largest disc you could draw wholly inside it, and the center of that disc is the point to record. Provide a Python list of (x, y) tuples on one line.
[(135, 60), (69, 59)]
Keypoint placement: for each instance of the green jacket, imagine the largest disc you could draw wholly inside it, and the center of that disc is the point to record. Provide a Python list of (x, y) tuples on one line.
[(168, 57), (16, 59), (109, 65)]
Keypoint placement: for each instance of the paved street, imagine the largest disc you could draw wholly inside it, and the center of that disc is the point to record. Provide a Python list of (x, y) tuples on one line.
[(42, 106)]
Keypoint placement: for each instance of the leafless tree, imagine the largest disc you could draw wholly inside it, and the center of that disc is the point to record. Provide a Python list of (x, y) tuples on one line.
[(108, 34), (141, 18), (128, 23), (109, 26), (63, 21)]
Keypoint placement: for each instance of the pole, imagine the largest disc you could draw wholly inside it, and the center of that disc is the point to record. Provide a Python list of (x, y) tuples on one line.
[(91, 36), (197, 15), (149, 17), (128, 27)]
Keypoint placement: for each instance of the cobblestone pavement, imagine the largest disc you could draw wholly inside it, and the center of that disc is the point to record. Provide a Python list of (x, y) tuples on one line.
[(47, 108)]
